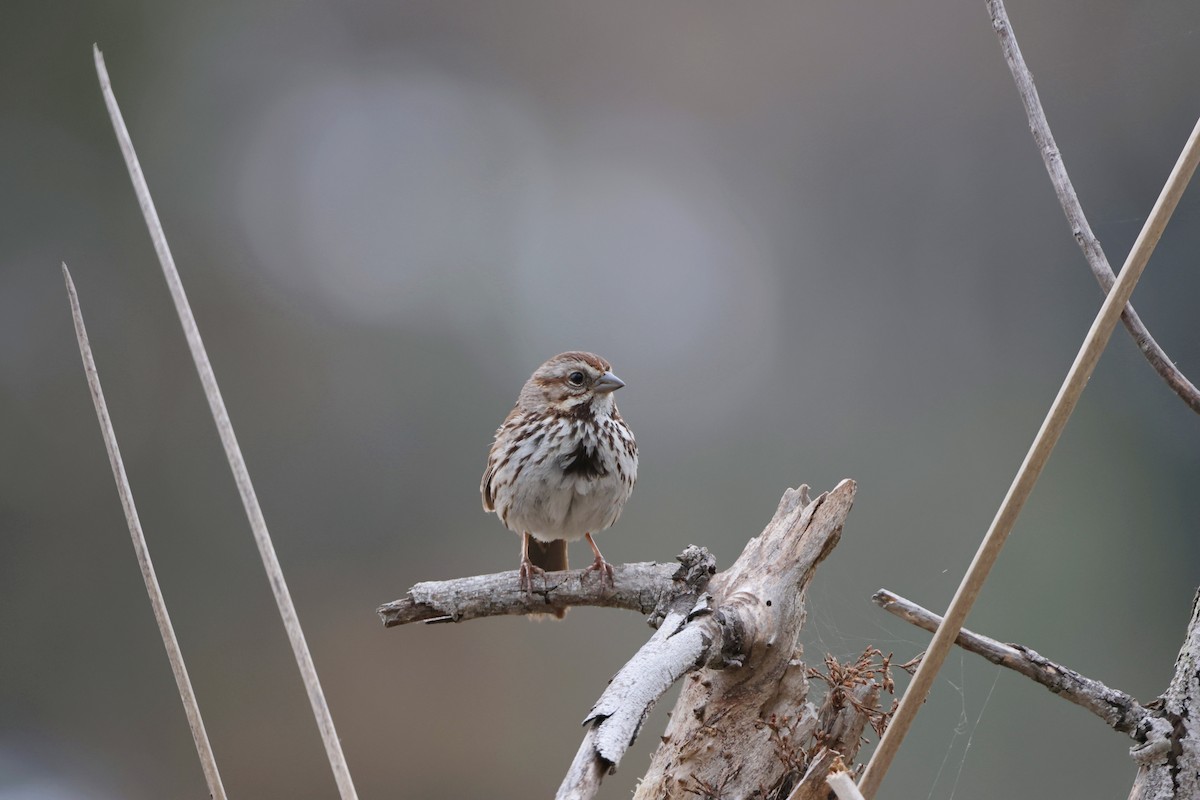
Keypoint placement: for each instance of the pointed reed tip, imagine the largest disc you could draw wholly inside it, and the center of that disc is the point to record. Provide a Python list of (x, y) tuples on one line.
[(98, 58), (72, 295)]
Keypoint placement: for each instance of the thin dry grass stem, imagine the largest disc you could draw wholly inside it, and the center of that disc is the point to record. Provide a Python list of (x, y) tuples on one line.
[(813, 744), (182, 682), (844, 681), (233, 453), (1088, 243), (1022, 485)]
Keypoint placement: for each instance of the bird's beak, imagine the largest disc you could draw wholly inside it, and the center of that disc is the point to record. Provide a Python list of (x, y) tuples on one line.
[(608, 383)]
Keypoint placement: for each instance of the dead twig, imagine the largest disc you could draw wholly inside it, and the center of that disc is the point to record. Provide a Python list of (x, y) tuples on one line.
[(1039, 126), (642, 587), (1122, 712)]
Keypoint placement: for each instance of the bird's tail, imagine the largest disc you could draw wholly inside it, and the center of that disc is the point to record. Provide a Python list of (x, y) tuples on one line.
[(550, 556)]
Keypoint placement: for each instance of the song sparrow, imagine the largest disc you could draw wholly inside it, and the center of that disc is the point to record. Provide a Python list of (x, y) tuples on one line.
[(563, 463)]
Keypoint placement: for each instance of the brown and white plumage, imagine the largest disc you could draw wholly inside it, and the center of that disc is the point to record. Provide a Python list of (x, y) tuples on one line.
[(563, 463)]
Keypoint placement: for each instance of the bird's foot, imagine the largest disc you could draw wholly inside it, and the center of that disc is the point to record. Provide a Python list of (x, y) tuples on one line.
[(525, 577), (600, 565), (605, 569)]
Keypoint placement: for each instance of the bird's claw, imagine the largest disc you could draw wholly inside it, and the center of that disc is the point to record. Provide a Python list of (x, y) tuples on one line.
[(605, 569)]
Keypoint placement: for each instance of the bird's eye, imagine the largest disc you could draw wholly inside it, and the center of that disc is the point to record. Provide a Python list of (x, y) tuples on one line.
[(576, 378)]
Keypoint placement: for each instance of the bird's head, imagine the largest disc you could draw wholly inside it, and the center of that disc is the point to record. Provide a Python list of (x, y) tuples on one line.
[(572, 384)]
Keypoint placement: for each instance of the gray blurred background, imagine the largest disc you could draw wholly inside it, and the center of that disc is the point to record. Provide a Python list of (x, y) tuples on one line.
[(815, 240)]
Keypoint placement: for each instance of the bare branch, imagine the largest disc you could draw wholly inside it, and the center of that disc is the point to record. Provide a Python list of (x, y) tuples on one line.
[(642, 587), (1120, 711), (1027, 476), (1039, 126), (233, 452), (183, 683)]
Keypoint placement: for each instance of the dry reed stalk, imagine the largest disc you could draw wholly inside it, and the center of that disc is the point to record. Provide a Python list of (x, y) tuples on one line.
[(233, 452), (183, 683)]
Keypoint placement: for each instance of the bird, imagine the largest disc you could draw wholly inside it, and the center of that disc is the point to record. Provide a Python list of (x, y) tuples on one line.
[(562, 464)]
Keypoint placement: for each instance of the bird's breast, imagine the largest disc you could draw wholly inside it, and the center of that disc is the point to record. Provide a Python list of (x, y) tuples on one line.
[(573, 479)]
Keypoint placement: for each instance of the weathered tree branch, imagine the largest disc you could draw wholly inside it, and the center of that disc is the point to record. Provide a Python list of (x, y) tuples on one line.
[(745, 709), (1119, 710), (1169, 762), (724, 736), (1039, 126), (646, 587)]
